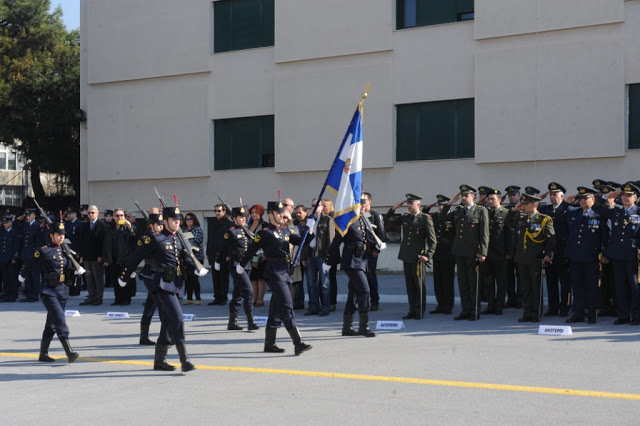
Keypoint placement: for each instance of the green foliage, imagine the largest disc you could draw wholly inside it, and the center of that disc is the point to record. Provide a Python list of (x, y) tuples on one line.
[(40, 88)]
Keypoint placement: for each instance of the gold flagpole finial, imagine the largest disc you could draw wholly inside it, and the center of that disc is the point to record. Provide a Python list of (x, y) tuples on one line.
[(364, 95)]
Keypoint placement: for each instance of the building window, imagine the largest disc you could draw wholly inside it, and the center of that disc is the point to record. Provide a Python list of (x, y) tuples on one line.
[(420, 13), (243, 24), (634, 116), (11, 195), (9, 159), (435, 130), (244, 143)]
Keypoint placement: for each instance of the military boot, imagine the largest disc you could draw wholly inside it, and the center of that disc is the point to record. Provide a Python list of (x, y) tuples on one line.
[(71, 355), (270, 341), (347, 325), (44, 351), (160, 359), (299, 345), (250, 321), (184, 358), (233, 322), (364, 330), (144, 335)]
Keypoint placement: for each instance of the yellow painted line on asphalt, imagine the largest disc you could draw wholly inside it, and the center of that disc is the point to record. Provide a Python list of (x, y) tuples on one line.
[(409, 380)]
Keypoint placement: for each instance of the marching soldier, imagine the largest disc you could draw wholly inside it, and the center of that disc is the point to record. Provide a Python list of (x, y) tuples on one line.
[(500, 245), (274, 241), (470, 247), (235, 244), (535, 239), (54, 265), (584, 246), (416, 250), (444, 263), (557, 272), (154, 226), (623, 249)]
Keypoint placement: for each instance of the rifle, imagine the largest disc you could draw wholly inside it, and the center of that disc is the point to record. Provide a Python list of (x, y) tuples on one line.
[(65, 248), (144, 214), (186, 245)]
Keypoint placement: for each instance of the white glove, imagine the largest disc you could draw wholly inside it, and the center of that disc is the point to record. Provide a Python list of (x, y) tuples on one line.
[(21, 278), (381, 246), (202, 272), (122, 283), (216, 266), (133, 275), (325, 267), (310, 224), (79, 271), (260, 253), (239, 269)]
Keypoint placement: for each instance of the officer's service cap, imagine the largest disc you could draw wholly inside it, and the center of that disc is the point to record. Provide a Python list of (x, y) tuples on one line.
[(467, 189), (630, 188), (556, 187), (512, 189), (413, 197), (29, 211), (491, 191), (84, 207), (155, 218), (72, 209), (605, 189), (483, 190), (108, 212), (529, 198), (615, 184), (171, 212), (275, 206), (7, 218), (530, 190), (442, 199), (599, 182), (583, 191), (238, 211), (57, 228)]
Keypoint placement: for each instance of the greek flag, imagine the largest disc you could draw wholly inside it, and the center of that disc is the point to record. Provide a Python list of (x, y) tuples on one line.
[(345, 176)]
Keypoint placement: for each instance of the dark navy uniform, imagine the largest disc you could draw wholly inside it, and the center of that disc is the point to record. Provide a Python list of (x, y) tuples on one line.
[(29, 237), (54, 266), (74, 235), (274, 241), (584, 246), (444, 262), (167, 285), (622, 249), (234, 246), (146, 275), (354, 263), (377, 223), (9, 245), (494, 268)]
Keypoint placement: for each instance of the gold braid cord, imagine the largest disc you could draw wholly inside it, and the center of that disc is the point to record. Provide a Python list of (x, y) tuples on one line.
[(533, 236)]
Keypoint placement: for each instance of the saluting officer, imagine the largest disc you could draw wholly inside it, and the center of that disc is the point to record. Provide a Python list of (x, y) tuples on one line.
[(354, 263), (623, 249), (167, 286), (535, 240), (235, 243), (584, 246), (54, 265), (470, 247), (444, 262), (416, 249), (514, 298), (557, 272), (274, 241), (500, 245)]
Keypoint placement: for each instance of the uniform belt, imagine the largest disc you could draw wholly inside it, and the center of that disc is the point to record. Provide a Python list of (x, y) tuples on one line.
[(171, 269), (277, 259), (54, 277)]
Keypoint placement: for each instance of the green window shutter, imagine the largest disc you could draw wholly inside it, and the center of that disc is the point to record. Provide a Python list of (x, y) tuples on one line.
[(634, 116), (222, 144), (243, 24), (222, 26), (244, 143)]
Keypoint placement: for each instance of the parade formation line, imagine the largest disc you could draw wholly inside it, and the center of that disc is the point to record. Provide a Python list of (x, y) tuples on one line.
[(450, 383)]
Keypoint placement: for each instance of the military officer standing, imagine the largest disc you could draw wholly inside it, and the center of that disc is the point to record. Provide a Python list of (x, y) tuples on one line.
[(623, 249), (557, 272), (444, 262), (30, 230), (500, 245), (535, 240), (514, 298), (9, 246), (470, 247), (584, 246), (235, 243), (416, 249), (54, 265)]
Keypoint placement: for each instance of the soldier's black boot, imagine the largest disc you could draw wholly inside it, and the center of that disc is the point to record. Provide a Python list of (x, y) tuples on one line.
[(160, 359), (347, 325), (233, 322), (270, 341), (144, 335), (364, 329), (44, 351), (71, 355), (252, 324), (298, 344), (184, 358)]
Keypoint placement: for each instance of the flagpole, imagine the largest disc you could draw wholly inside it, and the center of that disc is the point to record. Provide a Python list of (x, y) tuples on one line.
[(294, 262)]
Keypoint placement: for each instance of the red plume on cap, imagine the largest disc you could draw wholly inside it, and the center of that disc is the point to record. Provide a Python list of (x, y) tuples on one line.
[(175, 199), (60, 215), (279, 197)]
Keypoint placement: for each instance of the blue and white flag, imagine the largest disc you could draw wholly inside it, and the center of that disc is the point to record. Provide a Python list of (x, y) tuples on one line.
[(345, 176)]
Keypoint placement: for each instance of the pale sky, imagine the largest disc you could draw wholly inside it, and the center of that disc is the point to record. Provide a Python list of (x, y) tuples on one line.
[(71, 12)]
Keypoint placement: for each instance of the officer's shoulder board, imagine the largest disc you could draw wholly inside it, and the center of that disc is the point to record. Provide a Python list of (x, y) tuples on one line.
[(37, 253), (144, 240), (226, 235)]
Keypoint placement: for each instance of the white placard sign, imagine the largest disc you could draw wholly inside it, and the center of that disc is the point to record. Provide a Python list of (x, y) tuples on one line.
[(188, 317), (389, 325), (260, 320), (555, 330), (117, 315), (71, 313)]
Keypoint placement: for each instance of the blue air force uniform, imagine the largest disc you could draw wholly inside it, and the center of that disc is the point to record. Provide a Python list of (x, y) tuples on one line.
[(29, 237)]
